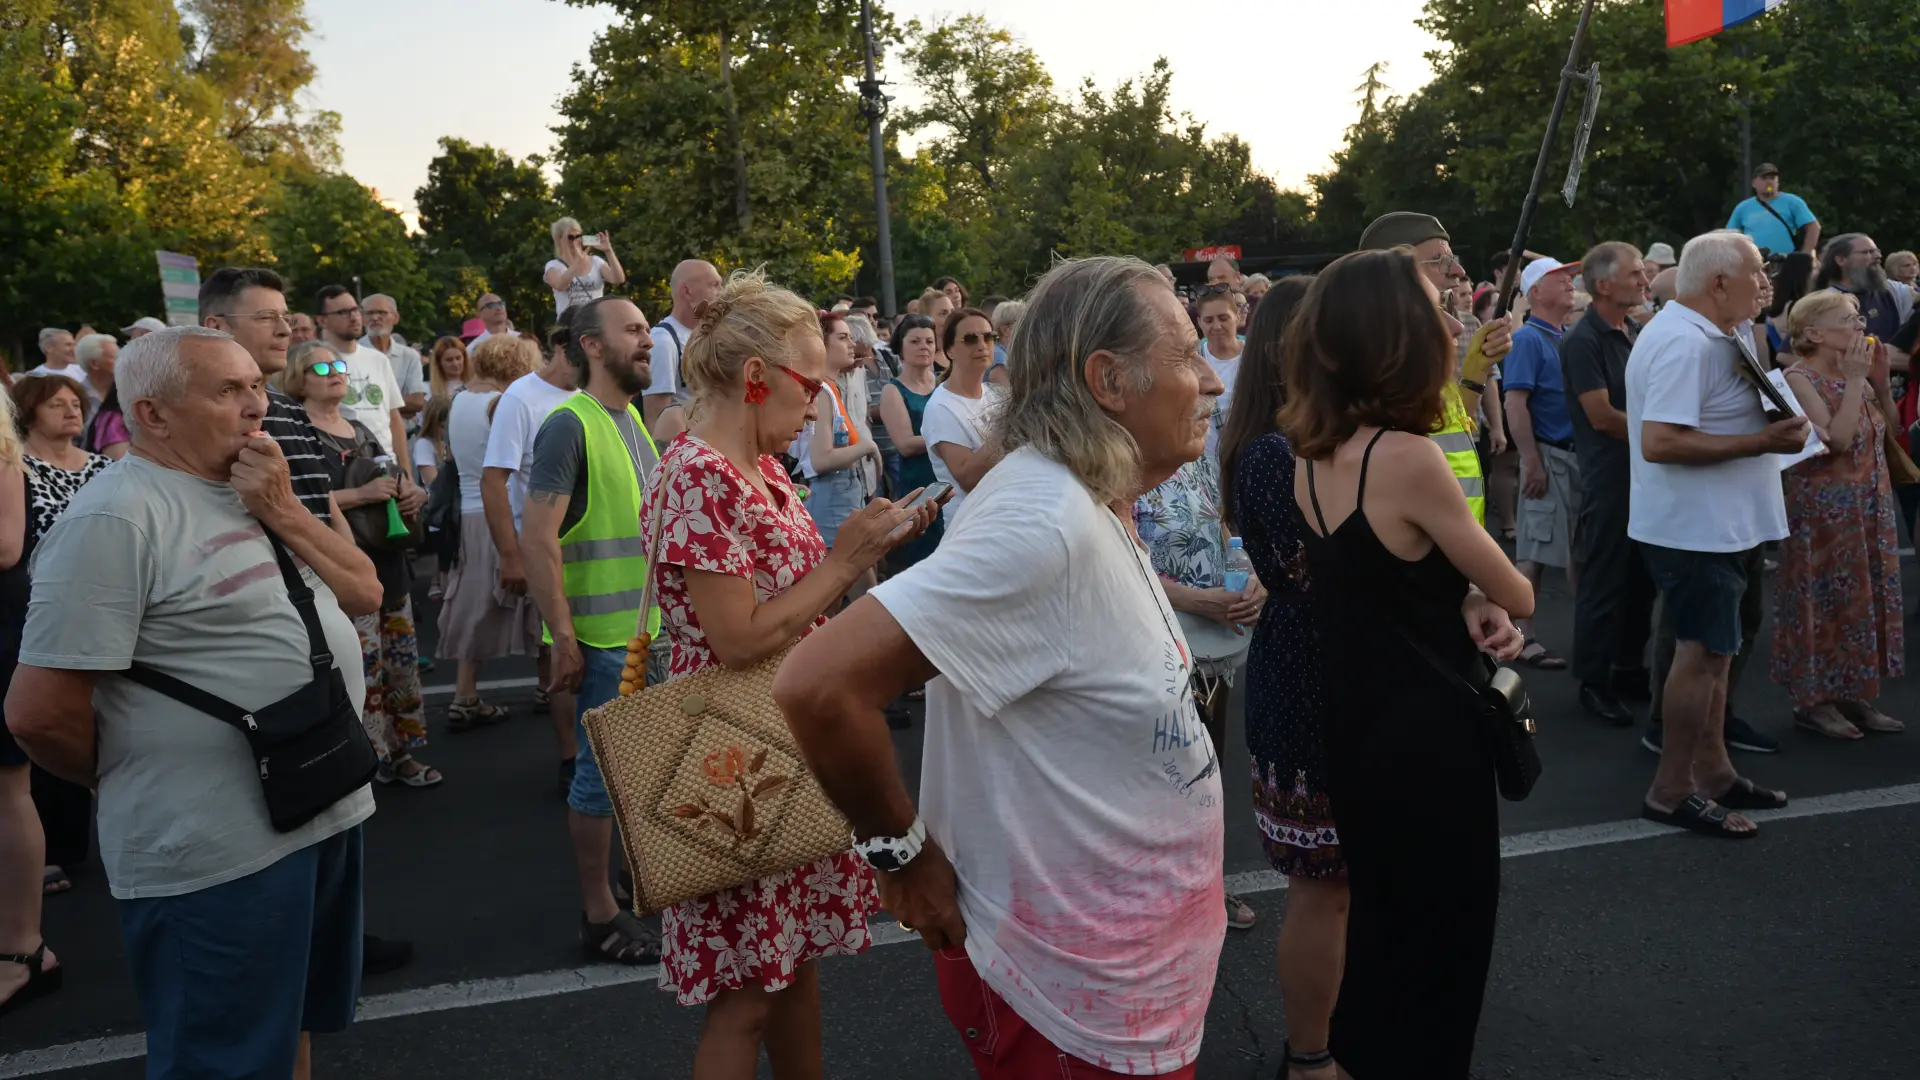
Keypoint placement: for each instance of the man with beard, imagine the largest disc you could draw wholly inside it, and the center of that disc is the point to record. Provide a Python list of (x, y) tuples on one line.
[(584, 554), (1851, 264)]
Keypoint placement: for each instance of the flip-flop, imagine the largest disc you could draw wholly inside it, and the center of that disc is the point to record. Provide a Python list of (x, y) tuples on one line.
[(1696, 815), (54, 880), (1743, 794), (1545, 660)]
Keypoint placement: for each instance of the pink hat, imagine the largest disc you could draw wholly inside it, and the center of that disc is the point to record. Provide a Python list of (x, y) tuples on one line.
[(472, 328)]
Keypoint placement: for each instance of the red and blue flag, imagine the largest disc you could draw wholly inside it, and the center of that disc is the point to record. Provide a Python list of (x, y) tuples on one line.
[(1691, 20)]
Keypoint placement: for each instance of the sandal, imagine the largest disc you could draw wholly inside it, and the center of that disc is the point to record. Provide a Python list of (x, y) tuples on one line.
[(421, 776), (1696, 814), (1742, 794), (1303, 1063), (54, 880), (1545, 659), (1240, 915), (1826, 720), (1868, 718), (467, 715), (41, 980), (622, 939)]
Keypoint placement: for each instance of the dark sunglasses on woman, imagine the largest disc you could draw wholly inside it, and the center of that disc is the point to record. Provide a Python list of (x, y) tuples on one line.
[(328, 367), (976, 338)]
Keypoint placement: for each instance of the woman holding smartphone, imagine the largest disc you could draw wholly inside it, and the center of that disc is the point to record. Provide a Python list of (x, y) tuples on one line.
[(575, 274)]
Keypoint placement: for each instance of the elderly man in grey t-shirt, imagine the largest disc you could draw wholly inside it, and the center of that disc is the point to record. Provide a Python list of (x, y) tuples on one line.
[(241, 937)]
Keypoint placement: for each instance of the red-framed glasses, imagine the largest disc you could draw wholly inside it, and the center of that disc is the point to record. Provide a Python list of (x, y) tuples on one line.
[(811, 386)]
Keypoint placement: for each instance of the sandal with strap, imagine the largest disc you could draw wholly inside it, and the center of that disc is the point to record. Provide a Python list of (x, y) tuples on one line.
[(1696, 814), (54, 880), (467, 715), (623, 939), (1744, 794), (1827, 720), (1546, 659), (422, 776), (1303, 1063), (41, 980), (1868, 718)]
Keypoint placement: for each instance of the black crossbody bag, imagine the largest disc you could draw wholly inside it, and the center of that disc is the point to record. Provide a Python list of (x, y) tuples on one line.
[(1505, 714), (310, 745)]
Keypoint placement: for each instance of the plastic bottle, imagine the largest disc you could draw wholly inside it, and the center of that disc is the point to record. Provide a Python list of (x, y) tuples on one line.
[(1239, 566)]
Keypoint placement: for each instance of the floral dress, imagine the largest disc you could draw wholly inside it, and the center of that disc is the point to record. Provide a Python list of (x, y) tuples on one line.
[(1838, 626), (758, 934)]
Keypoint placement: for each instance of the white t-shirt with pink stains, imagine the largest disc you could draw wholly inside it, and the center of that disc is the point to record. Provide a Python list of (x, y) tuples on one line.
[(1066, 771)]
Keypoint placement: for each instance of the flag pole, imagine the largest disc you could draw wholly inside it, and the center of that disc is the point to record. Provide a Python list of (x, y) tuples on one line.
[(1532, 204)]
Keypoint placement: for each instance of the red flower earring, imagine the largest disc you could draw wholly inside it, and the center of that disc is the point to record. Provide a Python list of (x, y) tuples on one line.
[(756, 391)]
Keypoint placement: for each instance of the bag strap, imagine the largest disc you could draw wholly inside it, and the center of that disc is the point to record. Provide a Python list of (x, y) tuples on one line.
[(653, 547), (1433, 660), (1793, 234), (220, 708)]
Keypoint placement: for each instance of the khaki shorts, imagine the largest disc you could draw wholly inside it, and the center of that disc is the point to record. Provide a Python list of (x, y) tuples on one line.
[(1544, 533)]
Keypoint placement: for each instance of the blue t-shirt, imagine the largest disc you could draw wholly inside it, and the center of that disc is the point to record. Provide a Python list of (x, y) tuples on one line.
[(1534, 366), (1753, 219)]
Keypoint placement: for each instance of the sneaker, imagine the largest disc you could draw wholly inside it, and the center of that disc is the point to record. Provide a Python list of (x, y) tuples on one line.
[(425, 663), (1741, 735), (379, 956), (1651, 737)]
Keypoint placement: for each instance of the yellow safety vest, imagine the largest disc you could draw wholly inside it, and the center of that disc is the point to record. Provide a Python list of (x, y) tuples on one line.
[(1455, 436), (603, 558)]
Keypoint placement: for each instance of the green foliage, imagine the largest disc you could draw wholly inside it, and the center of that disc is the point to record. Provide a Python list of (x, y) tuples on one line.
[(1664, 159), (328, 228), (727, 130), (485, 221)]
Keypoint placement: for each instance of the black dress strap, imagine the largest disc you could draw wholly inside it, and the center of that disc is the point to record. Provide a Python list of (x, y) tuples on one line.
[(1366, 459), (1313, 496)]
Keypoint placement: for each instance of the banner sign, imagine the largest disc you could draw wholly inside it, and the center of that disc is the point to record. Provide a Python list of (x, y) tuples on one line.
[(180, 284), (1208, 254)]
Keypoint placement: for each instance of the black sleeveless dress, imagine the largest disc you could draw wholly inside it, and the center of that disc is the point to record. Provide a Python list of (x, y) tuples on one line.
[(1413, 791)]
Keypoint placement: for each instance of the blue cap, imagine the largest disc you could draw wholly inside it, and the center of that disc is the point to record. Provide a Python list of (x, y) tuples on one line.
[(1233, 543)]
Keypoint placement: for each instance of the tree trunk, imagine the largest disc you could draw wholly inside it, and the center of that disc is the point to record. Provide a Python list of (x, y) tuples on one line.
[(740, 208)]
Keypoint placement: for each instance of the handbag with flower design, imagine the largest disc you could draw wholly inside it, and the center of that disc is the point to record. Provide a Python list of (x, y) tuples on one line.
[(706, 779)]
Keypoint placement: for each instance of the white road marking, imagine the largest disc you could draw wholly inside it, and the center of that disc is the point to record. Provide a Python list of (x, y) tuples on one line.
[(446, 689), (498, 991)]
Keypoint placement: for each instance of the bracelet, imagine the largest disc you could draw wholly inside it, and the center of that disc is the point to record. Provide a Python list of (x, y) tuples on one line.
[(1478, 388)]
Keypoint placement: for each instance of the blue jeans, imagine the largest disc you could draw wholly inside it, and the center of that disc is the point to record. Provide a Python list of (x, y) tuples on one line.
[(229, 976), (599, 684)]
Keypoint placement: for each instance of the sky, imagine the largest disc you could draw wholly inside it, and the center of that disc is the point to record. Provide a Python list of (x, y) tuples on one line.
[(497, 74)]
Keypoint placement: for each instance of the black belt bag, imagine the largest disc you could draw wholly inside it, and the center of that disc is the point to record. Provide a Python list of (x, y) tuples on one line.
[(310, 745), (1505, 714)]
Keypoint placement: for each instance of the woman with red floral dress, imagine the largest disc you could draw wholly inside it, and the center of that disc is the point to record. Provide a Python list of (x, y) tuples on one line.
[(741, 573)]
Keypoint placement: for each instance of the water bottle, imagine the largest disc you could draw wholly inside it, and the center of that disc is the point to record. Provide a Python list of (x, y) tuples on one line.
[(1239, 566)]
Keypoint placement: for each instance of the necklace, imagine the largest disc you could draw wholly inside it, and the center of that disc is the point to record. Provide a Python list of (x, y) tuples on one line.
[(1154, 591)]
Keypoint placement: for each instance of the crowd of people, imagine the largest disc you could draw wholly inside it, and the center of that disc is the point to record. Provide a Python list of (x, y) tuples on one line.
[(1145, 498)]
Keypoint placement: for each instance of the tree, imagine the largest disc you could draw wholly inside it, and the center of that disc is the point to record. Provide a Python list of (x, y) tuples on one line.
[(485, 221), (984, 88), (329, 228), (249, 53), (726, 130)]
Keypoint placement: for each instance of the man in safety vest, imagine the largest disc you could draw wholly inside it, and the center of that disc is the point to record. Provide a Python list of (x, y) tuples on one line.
[(1431, 246), (586, 566)]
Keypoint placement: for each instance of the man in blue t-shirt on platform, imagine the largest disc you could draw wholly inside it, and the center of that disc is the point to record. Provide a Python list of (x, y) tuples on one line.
[(1536, 405), (1775, 220)]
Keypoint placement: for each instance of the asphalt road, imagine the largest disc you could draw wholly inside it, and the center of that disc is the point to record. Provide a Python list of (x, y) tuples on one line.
[(1625, 951)]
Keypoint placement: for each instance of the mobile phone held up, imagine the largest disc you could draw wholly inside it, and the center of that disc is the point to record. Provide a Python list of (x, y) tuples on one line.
[(934, 492)]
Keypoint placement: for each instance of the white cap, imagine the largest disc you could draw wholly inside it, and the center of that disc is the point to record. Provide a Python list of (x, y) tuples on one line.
[(1662, 253), (145, 322), (1540, 268)]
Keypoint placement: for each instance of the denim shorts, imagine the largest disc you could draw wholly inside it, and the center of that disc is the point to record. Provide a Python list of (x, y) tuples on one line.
[(833, 497), (229, 977), (599, 684), (1702, 591)]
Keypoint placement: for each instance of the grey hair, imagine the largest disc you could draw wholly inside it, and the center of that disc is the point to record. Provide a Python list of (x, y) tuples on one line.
[(87, 349), (379, 296), (150, 367), (1008, 314), (1605, 260), (1711, 255), (1081, 307), (48, 334), (861, 329)]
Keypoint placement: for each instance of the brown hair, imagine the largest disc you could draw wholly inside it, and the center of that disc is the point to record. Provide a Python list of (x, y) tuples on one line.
[(437, 379), (951, 330), (1367, 347), (34, 391)]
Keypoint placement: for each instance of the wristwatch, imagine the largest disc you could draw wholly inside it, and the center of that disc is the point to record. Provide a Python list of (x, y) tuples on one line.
[(892, 852)]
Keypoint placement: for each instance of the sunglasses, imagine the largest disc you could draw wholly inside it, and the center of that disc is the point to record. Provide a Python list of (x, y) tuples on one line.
[(328, 367), (575, 235), (811, 386), (491, 304), (989, 338)]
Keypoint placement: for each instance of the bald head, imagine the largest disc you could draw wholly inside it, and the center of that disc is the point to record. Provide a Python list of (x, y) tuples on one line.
[(1665, 285), (694, 282)]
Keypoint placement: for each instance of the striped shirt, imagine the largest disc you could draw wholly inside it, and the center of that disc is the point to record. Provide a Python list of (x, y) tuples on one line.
[(286, 422)]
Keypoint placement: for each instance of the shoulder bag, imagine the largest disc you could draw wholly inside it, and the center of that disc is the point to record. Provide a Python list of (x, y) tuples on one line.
[(310, 745), (1791, 231), (369, 522), (1505, 714), (707, 781), (442, 514)]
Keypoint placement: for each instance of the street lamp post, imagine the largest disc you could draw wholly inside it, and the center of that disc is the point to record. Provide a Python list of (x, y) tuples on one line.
[(873, 105)]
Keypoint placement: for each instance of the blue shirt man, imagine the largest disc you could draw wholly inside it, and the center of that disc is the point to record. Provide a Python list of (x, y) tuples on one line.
[(1534, 366), (1772, 217)]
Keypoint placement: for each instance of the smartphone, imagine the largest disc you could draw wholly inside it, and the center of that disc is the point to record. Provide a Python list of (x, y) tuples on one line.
[(934, 492)]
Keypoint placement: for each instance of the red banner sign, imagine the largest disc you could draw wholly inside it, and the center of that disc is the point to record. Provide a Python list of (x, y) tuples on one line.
[(1218, 251)]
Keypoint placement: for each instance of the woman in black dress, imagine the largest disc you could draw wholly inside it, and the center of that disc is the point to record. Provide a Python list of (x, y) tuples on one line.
[(1284, 692), (1394, 553)]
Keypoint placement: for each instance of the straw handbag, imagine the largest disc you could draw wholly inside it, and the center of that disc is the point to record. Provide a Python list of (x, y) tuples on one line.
[(706, 780)]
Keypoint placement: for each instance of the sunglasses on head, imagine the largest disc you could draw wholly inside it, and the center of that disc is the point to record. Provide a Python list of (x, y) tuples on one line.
[(328, 367)]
